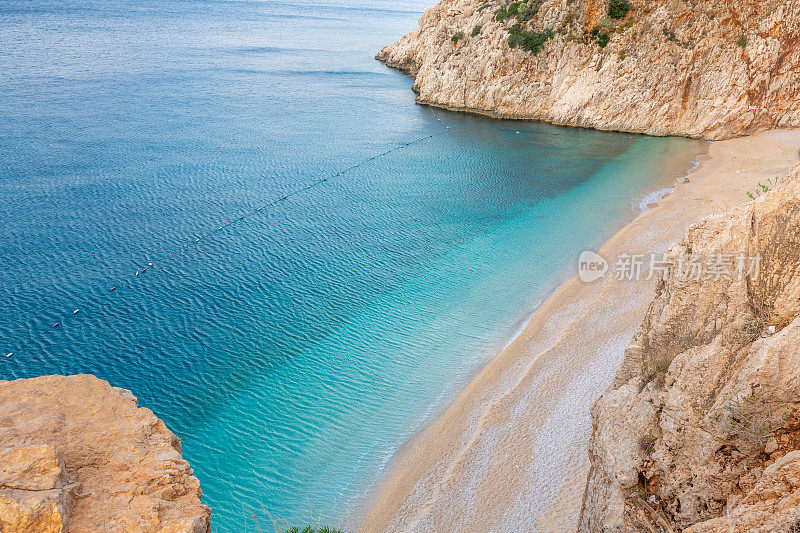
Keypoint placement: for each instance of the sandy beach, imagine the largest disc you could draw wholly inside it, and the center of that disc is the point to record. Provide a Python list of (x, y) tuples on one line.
[(510, 453)]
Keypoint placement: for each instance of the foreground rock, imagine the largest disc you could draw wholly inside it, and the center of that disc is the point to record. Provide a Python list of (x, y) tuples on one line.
[(712, 70), (77, 454), (701, 428)]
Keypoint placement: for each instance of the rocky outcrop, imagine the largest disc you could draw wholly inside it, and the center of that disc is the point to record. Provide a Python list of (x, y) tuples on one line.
[(79, 455), (711, 70), (701, 429)]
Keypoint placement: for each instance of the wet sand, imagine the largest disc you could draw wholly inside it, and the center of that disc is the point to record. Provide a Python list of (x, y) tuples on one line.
[(510, 452)]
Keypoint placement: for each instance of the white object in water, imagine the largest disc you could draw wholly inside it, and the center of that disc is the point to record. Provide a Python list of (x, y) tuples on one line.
[(75, 312), (9, 354)]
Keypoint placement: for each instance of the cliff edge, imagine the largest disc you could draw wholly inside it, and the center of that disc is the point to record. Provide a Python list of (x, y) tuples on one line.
[(710, 70), (701, 430), (79, 455)]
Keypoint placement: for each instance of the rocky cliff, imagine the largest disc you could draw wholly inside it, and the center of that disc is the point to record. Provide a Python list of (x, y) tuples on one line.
[(701, 429), (78, 455), (712, 70)]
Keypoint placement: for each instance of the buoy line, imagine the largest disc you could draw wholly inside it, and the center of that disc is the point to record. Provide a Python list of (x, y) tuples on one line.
[(186, 244)]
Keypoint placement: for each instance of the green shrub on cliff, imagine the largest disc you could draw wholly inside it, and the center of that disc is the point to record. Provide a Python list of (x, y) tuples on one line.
[(602, 38), (617, 9), (457, 37), (530, 41), (476, 30), (522, 11)]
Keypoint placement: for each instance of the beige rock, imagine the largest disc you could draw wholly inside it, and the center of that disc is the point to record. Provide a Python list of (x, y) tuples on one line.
[(772, 505), (719, 384), (79, 455), (671, 67), (33, 496)]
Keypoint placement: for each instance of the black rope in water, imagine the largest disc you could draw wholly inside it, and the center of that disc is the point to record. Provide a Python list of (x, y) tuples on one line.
[(185, 245)]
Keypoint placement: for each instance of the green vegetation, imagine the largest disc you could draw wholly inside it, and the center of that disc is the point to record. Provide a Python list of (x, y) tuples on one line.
[(523, 11), (476, 30), (518, 35), (762, 188), (602, 38), (741, 41), (617, 9), (457, 37), (530, 41), (749, 420)]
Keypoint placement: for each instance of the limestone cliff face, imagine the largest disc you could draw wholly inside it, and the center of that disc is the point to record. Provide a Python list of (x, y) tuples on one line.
[(671, 67), (78, 455), (701, 430)]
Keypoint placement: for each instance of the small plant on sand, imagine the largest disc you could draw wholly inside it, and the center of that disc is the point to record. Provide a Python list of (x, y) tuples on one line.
[(763, 188), (476, 30), (741, 41), (749, 420), (457, 36), (647, 444)]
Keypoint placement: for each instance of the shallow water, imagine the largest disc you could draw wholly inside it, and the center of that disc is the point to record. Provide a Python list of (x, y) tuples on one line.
[(295, 350)]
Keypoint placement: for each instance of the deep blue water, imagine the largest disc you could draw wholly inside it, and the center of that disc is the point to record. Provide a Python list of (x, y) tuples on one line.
[(295, 350)]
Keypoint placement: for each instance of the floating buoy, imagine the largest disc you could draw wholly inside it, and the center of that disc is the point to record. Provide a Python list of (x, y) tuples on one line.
[(9, 354), (75, 312), (240, 218), (284, 198), (149, 264), (56, 325), (144, 270), (197, 240), (137, 272), (219, 228), (112, 289), (555, 134), (324, 179)]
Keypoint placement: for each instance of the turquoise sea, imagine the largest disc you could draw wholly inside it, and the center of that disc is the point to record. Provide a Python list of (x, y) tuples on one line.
[(296, 349)]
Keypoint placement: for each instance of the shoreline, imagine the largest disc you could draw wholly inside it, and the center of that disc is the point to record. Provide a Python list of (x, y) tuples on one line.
[(513, 444)]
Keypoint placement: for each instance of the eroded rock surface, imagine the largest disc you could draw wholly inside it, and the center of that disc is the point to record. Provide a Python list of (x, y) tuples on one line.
[(79, 455), (701, 429), (671, 67)]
